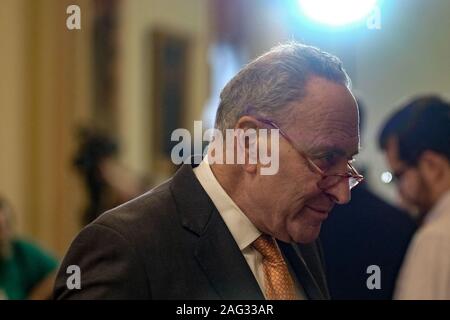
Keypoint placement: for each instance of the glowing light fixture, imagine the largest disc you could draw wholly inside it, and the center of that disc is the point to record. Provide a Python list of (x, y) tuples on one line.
[(337, 12), (386, 177)]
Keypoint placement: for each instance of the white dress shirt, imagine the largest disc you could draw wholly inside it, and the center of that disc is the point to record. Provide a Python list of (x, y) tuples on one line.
[(241, 228), (425, 273)]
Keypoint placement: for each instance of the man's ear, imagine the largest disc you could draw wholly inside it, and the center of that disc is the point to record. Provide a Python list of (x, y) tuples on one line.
[(246, 122), (433, 165), (246, 139)]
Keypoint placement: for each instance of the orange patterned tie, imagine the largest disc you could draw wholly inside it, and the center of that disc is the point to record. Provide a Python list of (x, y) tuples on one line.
[(278, 282)]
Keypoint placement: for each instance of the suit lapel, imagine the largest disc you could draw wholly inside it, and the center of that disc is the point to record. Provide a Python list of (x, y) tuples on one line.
[(216, 251), (303, 259), (224, 264)]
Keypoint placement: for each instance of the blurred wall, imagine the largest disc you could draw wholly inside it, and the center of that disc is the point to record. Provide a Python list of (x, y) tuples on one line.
[(12, 108), (44, 94), (139, 18)]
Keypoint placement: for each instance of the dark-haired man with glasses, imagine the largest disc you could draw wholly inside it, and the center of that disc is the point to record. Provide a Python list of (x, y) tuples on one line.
[(416, 140)]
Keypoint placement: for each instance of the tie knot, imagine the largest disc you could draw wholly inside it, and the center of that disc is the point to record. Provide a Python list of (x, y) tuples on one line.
[(268, 248)]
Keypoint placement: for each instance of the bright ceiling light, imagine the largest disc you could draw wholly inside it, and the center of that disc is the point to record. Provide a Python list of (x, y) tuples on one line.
[(337, 12), (386, 177)]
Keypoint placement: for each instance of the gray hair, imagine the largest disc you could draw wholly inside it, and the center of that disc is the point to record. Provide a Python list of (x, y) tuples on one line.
[(270, 83)]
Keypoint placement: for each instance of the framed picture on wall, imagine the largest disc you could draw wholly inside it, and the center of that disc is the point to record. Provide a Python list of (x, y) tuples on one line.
[(169, 101)]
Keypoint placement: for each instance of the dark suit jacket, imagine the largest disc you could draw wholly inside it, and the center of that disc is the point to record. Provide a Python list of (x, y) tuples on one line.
[(366, 231), (171, 243)]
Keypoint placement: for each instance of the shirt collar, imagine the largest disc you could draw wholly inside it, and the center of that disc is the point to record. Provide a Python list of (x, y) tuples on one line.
[(241, 228), (439, 209)]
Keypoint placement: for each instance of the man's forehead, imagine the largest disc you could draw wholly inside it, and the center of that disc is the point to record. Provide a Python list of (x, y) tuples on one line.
[(326, 120), (342, 142), (348, 151), (392, 154), (326, 106), (341, 139), (323, 95)]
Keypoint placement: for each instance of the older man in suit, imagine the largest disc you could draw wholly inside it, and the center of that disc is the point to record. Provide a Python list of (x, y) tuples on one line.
[(225, 230)]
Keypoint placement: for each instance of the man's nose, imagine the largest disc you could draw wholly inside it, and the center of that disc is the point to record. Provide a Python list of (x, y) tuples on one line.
[(340, 192)]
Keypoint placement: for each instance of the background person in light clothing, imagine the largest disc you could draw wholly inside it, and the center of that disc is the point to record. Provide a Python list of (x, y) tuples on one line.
[(417, 144)]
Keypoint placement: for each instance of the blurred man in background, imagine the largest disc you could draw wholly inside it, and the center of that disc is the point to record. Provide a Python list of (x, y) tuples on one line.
[(26, 271), (107, 182), (416, 140)]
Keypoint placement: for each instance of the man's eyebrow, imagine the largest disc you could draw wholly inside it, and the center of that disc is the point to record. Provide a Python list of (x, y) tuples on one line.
[(322, 150)]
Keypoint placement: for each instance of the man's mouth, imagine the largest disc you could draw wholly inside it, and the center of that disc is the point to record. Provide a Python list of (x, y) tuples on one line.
[(320, 210)]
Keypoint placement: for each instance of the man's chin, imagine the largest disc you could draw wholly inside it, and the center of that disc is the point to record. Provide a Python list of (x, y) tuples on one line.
[(306, 235)]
